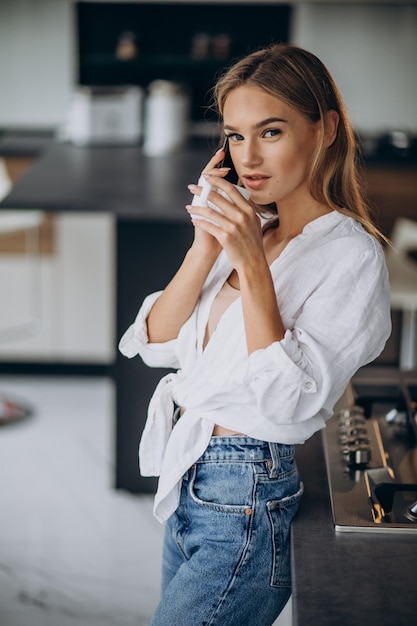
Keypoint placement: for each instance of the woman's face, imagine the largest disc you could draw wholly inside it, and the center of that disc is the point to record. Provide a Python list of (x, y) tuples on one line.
[(271, 145)]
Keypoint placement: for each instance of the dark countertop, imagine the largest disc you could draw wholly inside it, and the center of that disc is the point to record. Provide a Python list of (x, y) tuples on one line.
[(24, 143), (116, 179), (347, 579), (120, 180)]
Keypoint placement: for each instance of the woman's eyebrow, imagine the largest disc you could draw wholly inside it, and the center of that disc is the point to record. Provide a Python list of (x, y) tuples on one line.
[(268, 120)]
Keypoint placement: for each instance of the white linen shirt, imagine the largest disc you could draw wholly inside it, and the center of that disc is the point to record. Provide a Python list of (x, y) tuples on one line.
[(332, 290)]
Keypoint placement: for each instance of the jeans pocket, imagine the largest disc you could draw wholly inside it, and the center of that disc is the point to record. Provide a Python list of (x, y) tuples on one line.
[(223, 486), (280, 515)]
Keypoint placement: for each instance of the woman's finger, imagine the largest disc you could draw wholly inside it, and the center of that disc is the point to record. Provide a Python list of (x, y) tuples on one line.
[(215, 161), (237, 196)]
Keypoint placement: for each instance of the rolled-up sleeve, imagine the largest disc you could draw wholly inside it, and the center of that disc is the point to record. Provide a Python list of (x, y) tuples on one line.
[(278, 381), (135, 340), (342, 326)]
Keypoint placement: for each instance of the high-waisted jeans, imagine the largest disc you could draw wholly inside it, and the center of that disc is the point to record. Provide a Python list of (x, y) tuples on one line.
[(226, 556)]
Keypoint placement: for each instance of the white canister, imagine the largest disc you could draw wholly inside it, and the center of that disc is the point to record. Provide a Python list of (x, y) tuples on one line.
[(166, 118)]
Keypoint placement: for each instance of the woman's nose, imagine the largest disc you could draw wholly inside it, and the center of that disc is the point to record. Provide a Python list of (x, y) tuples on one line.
[(250, 155)]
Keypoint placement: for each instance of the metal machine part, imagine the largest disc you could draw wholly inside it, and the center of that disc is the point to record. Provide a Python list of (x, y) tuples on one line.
[(371, 460)]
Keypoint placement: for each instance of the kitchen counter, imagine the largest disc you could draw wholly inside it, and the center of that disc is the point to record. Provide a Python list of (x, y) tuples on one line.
[(349, 579), (346, 579), (24, 143), (121, 180), (115, 179)]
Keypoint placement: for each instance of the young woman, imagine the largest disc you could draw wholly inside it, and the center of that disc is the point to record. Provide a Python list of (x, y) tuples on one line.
[(278, 302)]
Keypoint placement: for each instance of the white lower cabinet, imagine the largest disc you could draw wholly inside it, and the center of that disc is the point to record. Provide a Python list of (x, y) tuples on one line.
[(61, 306)]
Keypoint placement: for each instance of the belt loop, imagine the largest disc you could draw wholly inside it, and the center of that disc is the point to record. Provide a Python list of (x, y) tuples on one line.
[(274, 469)]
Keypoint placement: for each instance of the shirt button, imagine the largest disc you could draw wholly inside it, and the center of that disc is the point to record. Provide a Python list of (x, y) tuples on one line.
[(308, 386)]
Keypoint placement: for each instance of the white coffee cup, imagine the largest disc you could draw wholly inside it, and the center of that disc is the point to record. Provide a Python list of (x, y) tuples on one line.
[(202, 199)]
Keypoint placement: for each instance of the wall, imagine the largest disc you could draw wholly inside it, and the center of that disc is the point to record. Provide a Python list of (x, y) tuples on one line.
[(36, 62), (370, 49), (371, 52)]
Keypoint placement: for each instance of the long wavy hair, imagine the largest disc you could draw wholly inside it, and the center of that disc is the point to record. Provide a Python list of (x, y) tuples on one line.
[(300, 79)]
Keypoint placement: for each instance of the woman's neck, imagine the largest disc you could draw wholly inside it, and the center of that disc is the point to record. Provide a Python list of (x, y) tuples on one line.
[(292, 220)]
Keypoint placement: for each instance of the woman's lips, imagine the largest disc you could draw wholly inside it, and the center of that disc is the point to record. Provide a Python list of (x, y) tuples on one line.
[(255, 181)]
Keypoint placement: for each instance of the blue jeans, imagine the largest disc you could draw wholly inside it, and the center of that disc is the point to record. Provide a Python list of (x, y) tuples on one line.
[(226, 557)]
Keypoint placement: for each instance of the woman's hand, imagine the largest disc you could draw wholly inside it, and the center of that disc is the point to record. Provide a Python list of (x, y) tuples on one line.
[(237, 229), (205, 242)]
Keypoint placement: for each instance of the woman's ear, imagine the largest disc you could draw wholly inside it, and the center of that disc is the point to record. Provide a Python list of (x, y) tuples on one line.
[(330, 132)]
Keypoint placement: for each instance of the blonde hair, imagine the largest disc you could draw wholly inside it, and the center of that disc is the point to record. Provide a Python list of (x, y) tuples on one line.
[(300, 79)]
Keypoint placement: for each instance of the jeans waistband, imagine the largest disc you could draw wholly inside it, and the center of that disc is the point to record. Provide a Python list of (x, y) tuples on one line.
[(246, 449)]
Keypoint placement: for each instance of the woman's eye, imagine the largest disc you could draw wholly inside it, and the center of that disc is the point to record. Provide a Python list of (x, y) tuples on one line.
[(235, 137), (272, 132)]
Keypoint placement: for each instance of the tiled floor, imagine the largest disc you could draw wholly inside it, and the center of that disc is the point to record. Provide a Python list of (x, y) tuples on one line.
[(73, 551)]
